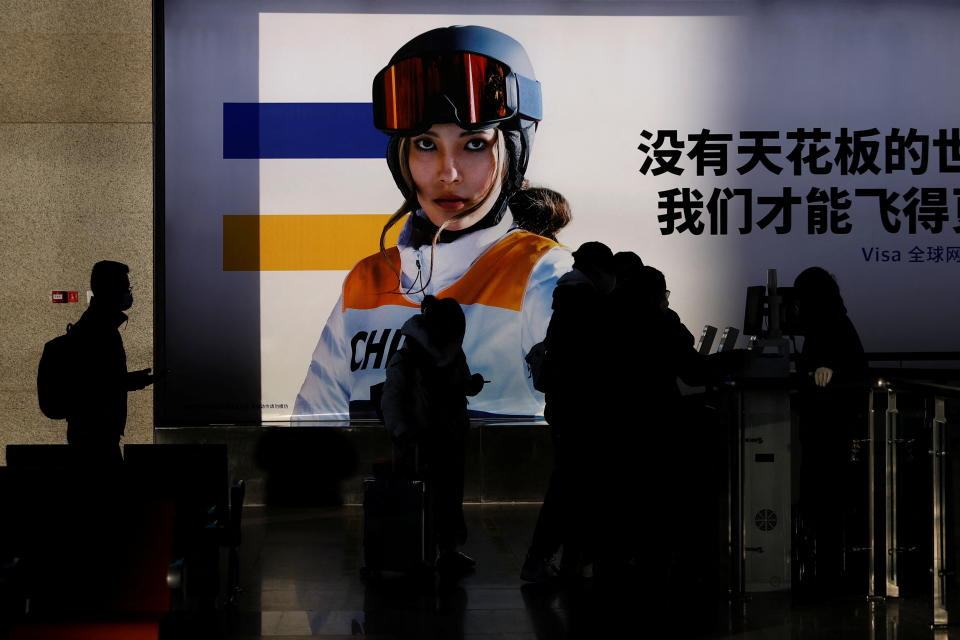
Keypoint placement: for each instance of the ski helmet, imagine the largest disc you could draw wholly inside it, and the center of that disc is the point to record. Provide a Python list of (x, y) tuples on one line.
[(475, 77)]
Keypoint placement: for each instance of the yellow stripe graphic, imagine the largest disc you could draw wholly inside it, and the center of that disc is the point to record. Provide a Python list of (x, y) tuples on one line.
[(302, 242)]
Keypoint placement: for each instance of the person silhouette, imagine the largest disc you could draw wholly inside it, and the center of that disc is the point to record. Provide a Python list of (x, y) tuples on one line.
[(831, 407), (573, 375), (97, 413), (424, 408), (831, 347)]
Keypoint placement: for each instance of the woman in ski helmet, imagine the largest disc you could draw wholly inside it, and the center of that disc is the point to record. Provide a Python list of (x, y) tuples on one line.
[(461, 105)]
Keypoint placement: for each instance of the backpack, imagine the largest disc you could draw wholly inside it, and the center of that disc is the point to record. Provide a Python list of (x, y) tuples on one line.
[(54, 376), (535, 364)]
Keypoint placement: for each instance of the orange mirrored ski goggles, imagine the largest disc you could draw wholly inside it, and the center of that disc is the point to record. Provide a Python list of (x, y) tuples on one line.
[(473, 90)]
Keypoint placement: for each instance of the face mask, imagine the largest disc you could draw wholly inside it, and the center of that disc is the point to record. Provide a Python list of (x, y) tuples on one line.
[(126, 302)]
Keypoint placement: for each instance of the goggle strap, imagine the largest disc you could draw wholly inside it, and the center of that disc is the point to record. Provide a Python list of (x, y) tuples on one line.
[(529, 98)]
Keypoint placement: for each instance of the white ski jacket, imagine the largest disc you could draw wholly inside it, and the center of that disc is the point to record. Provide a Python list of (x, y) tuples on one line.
[(503, 278)]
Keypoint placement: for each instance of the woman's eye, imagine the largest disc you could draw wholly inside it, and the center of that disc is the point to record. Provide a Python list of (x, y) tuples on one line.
[(476, 144), (424, 144)]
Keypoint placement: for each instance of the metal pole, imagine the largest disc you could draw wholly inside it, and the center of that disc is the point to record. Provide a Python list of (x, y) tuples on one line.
[(892, 586), (871, 497), (739, 523), (731, 406), (939, 452)]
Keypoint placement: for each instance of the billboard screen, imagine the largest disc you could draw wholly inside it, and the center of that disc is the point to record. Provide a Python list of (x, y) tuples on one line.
[(717, 141)]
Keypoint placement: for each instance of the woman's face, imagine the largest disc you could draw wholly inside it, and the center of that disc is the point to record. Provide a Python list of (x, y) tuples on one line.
[(455, 170)]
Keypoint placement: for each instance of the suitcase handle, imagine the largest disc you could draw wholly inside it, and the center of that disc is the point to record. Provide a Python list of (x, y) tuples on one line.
[(416, 458)]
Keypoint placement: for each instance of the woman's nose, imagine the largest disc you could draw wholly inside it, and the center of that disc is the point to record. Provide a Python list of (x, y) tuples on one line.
[(449, 171)]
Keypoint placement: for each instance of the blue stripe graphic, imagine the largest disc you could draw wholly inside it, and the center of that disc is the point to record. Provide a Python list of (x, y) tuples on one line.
[(301, 130)]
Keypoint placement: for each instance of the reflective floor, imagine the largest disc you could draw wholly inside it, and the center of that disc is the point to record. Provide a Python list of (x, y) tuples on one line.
[(300, 577)]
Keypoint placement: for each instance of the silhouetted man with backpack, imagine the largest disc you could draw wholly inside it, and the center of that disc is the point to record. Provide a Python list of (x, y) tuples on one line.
[(93, 370)]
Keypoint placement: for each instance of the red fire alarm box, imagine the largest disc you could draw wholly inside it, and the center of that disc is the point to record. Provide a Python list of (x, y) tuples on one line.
[(64, 297)]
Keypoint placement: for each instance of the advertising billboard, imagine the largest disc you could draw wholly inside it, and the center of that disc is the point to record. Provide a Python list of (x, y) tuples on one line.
[(715, 139)]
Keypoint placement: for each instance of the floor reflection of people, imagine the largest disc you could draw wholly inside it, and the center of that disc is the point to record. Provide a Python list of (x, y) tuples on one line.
[(546, 618), (405, 609)]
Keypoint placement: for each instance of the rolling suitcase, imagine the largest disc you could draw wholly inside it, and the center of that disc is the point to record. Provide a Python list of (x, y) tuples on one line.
[(397, 532)]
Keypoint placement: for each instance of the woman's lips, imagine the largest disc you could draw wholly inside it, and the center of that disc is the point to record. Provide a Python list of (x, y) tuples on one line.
[(451, 204)]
